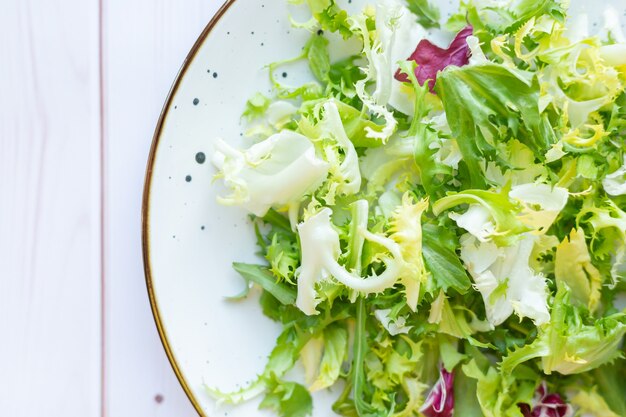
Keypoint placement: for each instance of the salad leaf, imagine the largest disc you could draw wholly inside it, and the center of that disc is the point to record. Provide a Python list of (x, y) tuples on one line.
[(571, 344), (288, 399), (591, 402), (317, 54), (440, 400), (431, 59), (546, 403), (335, 352), (608, 380), (499, 394), (263, 176), (256, 106), (483, 105), (573, 268), (505, 279), (320, 252), (427, 14), (442, 261), (406, 231), (330, 16), (491, 215), (444, 229), (261, 276)]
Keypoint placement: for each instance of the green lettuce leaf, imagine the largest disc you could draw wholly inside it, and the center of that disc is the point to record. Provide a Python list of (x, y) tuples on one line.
[(335, 352), (442, 261), (288, 399), (489, 103), (499, 394), (427, 13), (572, 342)]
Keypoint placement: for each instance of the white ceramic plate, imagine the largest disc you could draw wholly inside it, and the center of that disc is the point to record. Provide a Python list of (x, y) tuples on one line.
[(189, 240)]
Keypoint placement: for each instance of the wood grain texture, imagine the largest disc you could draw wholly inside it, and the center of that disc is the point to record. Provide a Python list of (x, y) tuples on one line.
[(145, 43), (49, 209)]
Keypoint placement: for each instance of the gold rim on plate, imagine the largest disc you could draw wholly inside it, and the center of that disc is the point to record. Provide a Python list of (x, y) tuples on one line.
[(145, 209)]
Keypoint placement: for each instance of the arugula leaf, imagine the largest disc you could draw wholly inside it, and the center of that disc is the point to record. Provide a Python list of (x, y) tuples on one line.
[(442, 261), (357, 371), (261, 276), (427, 13)]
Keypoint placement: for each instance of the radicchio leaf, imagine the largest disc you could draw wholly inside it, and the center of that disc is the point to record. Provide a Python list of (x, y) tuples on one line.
[(440, 400), (546, 405), (431, 59)]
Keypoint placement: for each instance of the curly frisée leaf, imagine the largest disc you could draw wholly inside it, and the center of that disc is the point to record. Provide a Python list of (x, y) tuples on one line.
[(406, 231), (572, 342), (480, 229), (496, 220), (573, 268), (274, 173), (505, 279), (320, 254)]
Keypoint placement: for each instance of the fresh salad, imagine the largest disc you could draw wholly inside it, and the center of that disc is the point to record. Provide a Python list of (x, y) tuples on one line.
[(441, 215)]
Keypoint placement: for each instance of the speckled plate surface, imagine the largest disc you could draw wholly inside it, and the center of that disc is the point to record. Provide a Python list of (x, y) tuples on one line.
[(190, 240)]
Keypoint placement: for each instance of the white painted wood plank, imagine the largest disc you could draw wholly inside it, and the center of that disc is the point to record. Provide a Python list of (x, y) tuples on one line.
[(146, 41), (49, 209)]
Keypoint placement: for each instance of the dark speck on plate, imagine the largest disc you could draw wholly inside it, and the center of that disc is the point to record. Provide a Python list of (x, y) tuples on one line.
[(262, 44), (201, 227), (215, 75), (252, 33), (200, 157), (188, 178), (320, 32), (284, 75), (158, 398), (196, 101)]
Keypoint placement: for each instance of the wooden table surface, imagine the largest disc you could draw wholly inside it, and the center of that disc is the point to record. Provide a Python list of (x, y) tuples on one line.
[(82, 83)]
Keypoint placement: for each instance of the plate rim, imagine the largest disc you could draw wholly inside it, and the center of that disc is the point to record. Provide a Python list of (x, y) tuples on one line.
[(145, 204)]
